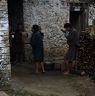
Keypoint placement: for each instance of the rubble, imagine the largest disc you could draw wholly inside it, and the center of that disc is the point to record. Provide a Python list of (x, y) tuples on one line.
[(86, 55)]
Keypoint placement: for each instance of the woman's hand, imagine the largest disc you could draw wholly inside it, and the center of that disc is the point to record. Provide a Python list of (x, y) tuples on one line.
[(63, 30)]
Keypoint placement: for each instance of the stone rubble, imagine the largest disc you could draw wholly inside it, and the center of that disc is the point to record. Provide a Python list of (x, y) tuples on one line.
[(3, 93)]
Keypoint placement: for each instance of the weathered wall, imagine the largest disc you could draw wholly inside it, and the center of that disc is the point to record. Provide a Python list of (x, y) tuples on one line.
[(91, 15), (5, 67), (51, 16)]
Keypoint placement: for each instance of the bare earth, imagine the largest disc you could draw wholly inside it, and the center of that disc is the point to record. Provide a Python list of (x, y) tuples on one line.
[(52, 83)]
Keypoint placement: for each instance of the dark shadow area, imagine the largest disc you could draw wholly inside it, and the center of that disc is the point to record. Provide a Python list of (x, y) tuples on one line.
[(15, 16), (15, 12), (75, 17), (78, 15)]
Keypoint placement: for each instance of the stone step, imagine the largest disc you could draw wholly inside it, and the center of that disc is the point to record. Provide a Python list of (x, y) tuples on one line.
[(2, 93)]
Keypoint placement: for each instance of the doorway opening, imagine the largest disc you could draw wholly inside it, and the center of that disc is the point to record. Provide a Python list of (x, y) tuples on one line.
[(78, 15), (15, 12), (15, 16), (75, 19)]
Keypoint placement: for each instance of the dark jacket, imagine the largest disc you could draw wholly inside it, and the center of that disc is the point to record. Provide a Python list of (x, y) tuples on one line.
[(37, 39), (73, 38), (37, 46)]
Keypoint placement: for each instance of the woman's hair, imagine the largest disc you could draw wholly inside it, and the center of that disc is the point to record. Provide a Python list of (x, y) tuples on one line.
[(36, 28), (67, 25)]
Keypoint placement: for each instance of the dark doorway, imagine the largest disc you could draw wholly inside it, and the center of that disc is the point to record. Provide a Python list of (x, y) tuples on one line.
[(75, 19), (78, 15), (15, 16), (15, 12)]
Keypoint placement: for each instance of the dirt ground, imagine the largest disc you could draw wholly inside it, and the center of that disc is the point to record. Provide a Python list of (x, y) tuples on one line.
[(52, 83), (3, 93)]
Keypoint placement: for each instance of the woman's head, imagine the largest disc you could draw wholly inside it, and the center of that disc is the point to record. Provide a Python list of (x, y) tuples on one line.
[(67, 27), (36, 28)]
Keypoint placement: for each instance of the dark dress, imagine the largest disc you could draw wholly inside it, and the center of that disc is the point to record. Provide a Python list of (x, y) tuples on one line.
[(37, 46), (72, 41)]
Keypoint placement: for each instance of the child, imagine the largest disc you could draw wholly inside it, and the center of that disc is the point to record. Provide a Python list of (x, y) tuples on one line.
[(72, 40)]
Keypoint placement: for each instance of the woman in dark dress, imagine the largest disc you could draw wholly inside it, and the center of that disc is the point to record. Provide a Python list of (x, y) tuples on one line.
[(37, 47)]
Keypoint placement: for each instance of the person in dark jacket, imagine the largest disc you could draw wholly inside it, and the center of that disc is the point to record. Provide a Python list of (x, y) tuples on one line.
[(72, 37), (37, 47)]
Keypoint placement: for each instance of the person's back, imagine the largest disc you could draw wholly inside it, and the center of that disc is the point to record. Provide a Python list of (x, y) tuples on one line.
[(37, 39)]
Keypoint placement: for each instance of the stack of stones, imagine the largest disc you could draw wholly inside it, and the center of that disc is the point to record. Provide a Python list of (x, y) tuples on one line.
[(86, 55)]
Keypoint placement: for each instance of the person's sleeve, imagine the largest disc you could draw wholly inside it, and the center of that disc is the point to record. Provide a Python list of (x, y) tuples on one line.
[(71, 36), (38, 40), (77, 38), (33, 40)]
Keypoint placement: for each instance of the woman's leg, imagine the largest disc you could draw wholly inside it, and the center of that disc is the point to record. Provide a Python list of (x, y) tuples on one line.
[(42, 66), (66, 67), (37, 67)]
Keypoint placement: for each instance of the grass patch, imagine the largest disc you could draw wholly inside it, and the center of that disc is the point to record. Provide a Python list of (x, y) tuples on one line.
[(19, 92)]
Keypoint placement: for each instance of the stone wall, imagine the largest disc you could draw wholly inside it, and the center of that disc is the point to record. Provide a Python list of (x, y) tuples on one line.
[(5, 67), (51, 16), (91, 15)]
